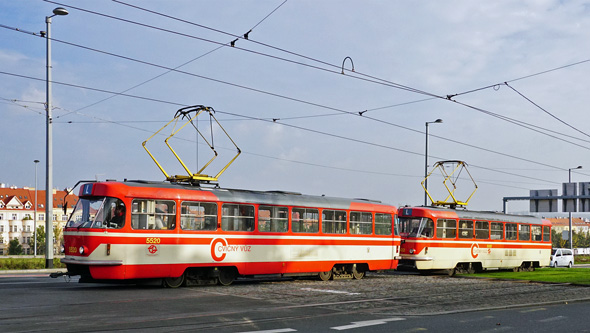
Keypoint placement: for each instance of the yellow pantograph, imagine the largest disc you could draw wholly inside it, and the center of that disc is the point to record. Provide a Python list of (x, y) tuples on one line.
[(450, 179), (185, 113)]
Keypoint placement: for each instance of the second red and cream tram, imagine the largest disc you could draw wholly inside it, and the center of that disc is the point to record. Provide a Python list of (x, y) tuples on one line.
[(469, 241), (136, 231)]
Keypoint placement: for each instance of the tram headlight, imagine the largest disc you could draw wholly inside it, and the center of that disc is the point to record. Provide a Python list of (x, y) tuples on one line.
[(411, 251), (82, 250)]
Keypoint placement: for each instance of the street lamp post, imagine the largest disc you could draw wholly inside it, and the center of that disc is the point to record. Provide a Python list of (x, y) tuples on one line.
[(438, 121), (570, 213), (49, 147), (35, 212)]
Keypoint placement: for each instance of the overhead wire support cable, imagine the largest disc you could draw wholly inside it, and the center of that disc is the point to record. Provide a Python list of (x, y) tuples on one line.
[(547, 112)]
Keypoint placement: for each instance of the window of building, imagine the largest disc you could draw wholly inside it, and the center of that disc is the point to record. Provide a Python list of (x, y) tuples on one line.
[(465, 229), (383, 224), (333, 221), (305, 220), (198, 216), (235, 217), (446, 228), (273, 219), (361, 223)]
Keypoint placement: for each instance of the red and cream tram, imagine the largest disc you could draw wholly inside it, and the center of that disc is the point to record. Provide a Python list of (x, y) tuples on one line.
[(136, 230), (470, 241)]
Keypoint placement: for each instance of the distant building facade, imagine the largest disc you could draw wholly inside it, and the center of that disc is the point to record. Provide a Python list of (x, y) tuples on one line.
[(17, 215), (563, 223)]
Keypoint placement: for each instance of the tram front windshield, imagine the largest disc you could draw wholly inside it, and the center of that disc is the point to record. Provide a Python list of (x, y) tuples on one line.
[(98, 212), (416, 227)]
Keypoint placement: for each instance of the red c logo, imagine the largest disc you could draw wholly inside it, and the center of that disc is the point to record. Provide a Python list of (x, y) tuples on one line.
[(473, 254), (214, 245)]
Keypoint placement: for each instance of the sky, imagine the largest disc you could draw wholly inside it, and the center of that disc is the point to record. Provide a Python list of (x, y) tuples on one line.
[(323, 97)]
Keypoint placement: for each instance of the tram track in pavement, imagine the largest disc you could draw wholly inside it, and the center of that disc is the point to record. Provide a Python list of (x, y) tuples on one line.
[(417, 298)]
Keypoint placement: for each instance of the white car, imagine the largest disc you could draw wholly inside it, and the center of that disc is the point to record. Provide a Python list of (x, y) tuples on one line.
[(562, 257)]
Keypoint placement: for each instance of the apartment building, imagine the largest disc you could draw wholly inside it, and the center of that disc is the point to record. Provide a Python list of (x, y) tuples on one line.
[(17, 215)]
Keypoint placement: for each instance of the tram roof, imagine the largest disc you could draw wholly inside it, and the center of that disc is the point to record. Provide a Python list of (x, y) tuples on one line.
[(482, 215), (259, 197)]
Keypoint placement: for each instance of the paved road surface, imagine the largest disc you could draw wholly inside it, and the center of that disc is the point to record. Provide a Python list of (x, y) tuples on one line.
[(379, 303)]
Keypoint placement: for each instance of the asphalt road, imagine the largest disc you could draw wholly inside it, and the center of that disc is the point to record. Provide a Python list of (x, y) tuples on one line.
[(387, 302)]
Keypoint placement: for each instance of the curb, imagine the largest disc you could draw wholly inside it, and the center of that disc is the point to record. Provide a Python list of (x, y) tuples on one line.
[(31, 271)]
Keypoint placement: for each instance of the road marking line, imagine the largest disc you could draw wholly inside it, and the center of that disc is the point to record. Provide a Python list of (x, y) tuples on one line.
[(330, 291), (358, 324), (533, 310), (551, 319), (280, 330)]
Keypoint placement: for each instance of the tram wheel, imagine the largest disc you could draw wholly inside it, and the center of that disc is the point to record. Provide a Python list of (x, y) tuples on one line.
[(325, 276), (172, 282), (226, 276), (357, 274)]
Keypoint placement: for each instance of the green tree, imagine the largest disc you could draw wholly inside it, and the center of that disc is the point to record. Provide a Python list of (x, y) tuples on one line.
[(556, 240), (40, 240), (14, 247)]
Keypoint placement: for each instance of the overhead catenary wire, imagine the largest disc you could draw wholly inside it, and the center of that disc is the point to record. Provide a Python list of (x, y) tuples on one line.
[(177, 67), (299, 127), (250, 88), (253, 89), (361, 76)]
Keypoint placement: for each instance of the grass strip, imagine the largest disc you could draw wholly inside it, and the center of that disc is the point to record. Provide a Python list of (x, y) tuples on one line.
[(553, 275)]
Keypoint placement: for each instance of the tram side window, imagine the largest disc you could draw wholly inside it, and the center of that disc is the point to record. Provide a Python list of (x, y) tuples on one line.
[(273, 219), (511, 231), (236, 217), (361, 223), (383, 224), (536, 233), (465, 229), (496, 230), (305, 220), (333, 221), (446, 228), (153, 214), (482, 230), (546, 233), (524, 232), (198, 216)]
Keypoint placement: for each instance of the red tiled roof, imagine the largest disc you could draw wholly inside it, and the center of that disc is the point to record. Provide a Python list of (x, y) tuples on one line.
[(24, 195), (576, 221)]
